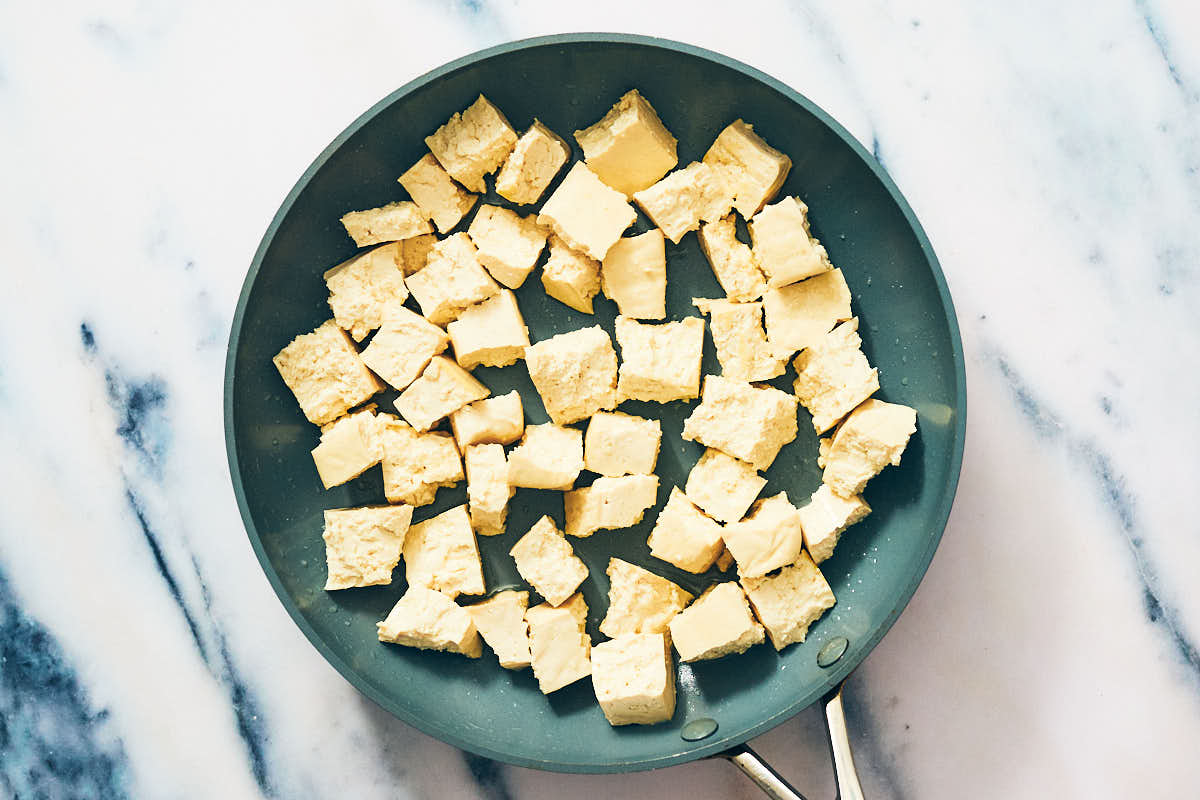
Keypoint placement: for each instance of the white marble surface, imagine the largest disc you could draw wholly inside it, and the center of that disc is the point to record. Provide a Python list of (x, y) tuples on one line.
[(1053, 155)]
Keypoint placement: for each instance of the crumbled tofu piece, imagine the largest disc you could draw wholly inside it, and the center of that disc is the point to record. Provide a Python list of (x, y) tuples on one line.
[(799, 315), (753, 170), (640, 601), (473, 144), (416, 464), (443, 388), (547, 563), (491, 333), (745, 421), (487, 487), (430, 620), (634, 679), (531, 166), (684, 536), (629, 148), (825, 517), (348, 448), (873, 436), (441, 553), (725, 560), (436, 193), (609, 504), (575, 373), (499, 420), (324, 371), (621, 444), (742, 347), (451, 280), (588, 215), (725, 487), (403, 347), (364, 289), (570, 277), (785, 249), (833, 376), (391, 223), (508, 244), (559, 645), (548, 457), (732, 260), (362, 545), (823, 446), (660, 363), (788, 603), (718, 624), (770, 537), (501, 622), (415, 252), (634, 275), (682, 200)]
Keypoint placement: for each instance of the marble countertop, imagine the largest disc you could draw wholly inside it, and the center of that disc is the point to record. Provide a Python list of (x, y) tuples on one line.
[(1053, 155)]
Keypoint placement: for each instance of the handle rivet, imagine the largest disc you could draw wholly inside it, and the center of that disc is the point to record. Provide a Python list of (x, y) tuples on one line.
[(698, 729), (833, 650)]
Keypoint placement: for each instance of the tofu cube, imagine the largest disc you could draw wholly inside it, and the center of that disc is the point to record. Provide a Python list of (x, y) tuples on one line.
[(415, 252), (823, 447), (745, 421), (753, 170), (451, 280), (873, 436), (531, 166), (634, 275), (609, 504), (732, 261), (679, 202), (789, 602), (639, 601), (742, 347), (771, 537), (487, 487), (825, 517), (363, 290), (785, 249), (391, 223), (548, 457), (498, 420), (718, 624), (621, 444), (725, 487), (491, 333), (362, 545), (588, 215), (547, 563), (441, 553), (348, 448), (501, 622), (725, 561), (436, 194), (473, 144), (634, 679), (570, 277), (684, 536), (629, 148), (559, 645), (799, 315), (509, 245), (833, 376), (443, 388), (416, 464), (429, 620), (327, 376), (660, 363), (403, 347), (575, 373)]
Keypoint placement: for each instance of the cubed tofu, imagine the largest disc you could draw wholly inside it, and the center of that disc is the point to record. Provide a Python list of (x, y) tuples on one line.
[(634, 275), (685, 198), (325, 373), (488, 490), (825, 517), (609, 504), (799, 315), (547, 563), (415, 252), (640, 601), (531, 166), (363, 290), (629, 148), (753, 170), (441, 553), (491, 333), (508, 244), (559, 645), (634, 679), (718, 624), (391, 223), (833, 376), (499, 420), (770, 537), (732, 260), (363, 545), (823, 447), (660, 363), (436, 193), (575, 373), (451, 280), (548, 457), (570, 277), (785, 249), (588, 215), (725, 561), (723, 486), (873, 436), (742, 347), (621, 444), (348, 448), (501, 622), (429, 620), (685, 536), (416, 464), (473, 144), (789, 602), (743, 420), (443, 388), (403, 347)]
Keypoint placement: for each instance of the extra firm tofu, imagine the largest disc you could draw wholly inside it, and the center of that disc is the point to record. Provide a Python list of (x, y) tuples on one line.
[(723, 486), (509, 245), (531, 166), (491, 333), (443, 388), (785, 249), (684, 536), (501, 622), (799, 315), (441, 553), (416, 464), (629, 148), (488, 489), (825, 517), (685, 198), (348, 448), (732, 260), (660, 363), (634, 275), (547, 563), (585, 213), (324, 371), (753, 170), (741, 343), (473, 144), (770, 537), (391, 223), (570, 277), (548, 457), (403, 347), (575, 373), (640, 601), (609, 504), (745, 421), (621, 444), (436, 194), (789, 602), (718, 624), (363, 290), (873, 436), (415, 252), (451, 280), (634, 679), (833, 376), (499, 420), (559, 646), (362, 545), (430, 620)]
